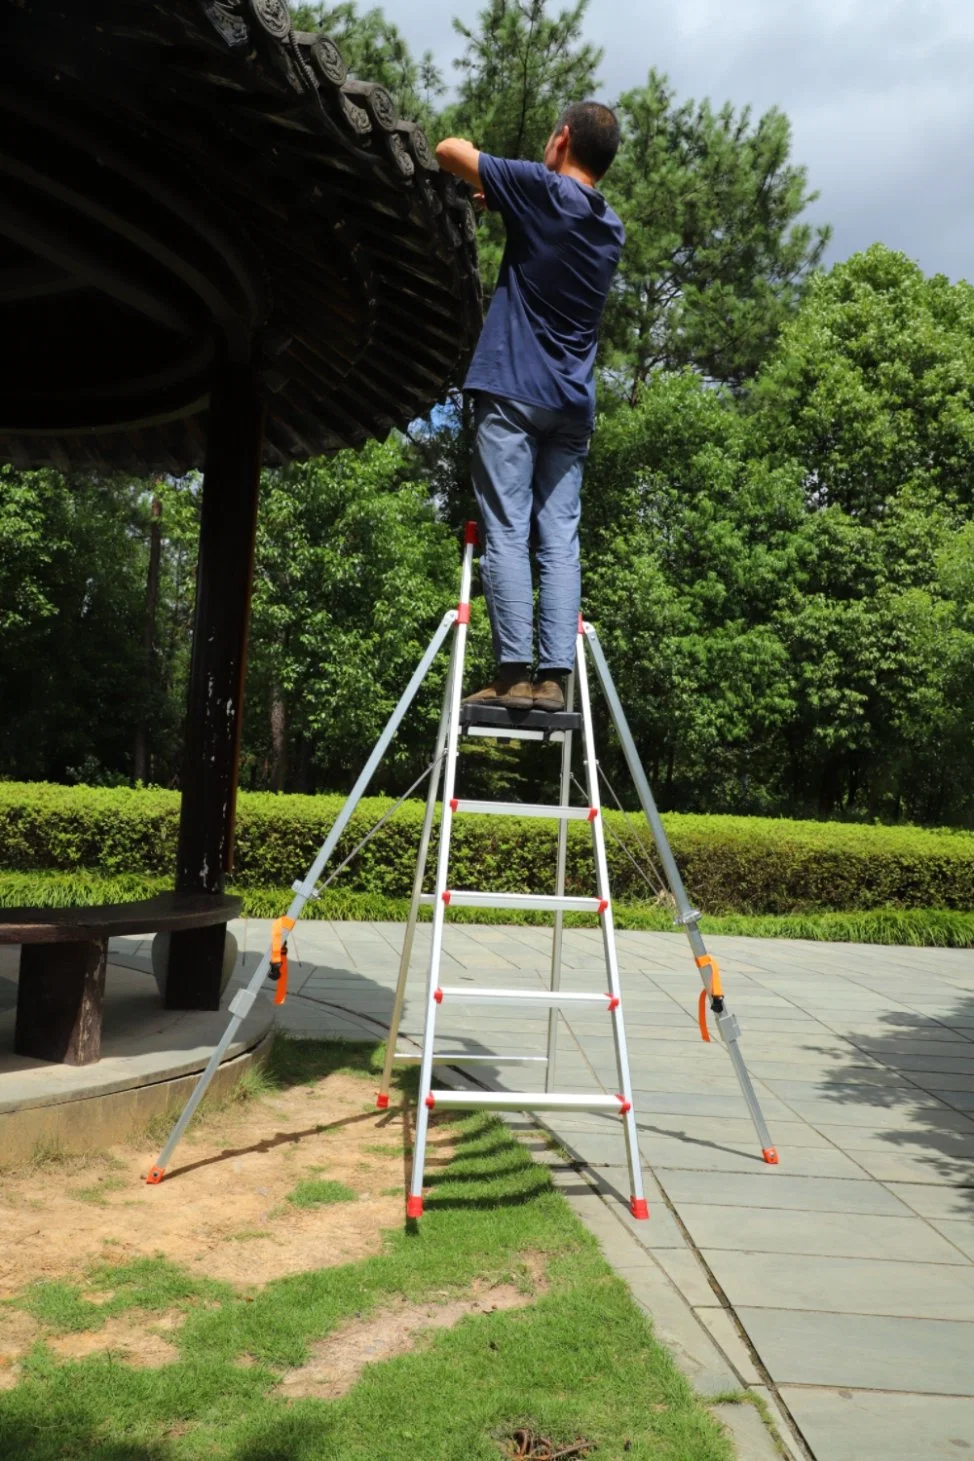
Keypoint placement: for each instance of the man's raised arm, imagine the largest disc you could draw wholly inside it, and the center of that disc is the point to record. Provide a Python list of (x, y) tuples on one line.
[(461, 158)]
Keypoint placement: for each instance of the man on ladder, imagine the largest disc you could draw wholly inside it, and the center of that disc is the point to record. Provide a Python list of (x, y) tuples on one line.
[(533, 382), (533, 377)]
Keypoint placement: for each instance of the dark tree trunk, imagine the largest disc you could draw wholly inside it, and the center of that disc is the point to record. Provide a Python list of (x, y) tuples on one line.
[(278, 739), (141, 757), (828, 789)]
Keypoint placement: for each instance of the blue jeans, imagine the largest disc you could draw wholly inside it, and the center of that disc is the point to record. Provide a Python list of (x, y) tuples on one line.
[(527, 475)]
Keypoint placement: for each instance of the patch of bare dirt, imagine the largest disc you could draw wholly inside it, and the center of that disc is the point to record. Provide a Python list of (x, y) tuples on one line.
[(337, 1361), (136, 1338), (222, 1210)]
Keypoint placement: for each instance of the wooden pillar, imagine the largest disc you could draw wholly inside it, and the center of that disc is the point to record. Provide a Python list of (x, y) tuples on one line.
[(223, 586)]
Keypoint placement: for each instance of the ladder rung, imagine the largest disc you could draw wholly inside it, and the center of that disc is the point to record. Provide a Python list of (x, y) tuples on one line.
[(528, 1101), (460, 1057), (513, 733), (539, 902), (524, 809), (490, 993)]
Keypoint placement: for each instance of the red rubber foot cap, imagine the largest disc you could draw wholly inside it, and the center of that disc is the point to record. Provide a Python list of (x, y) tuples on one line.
[(639, 1207), (155, 1176), (770, 1155), (414, 1207), (381, 1101)]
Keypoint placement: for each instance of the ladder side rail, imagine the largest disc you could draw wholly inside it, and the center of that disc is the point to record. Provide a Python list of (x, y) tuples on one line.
[(687, 915), (564, 796), (382, 1097), (243, 1001), (414, 1201), (637, 1195)]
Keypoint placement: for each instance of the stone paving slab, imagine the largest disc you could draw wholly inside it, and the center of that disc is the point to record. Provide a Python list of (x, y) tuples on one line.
[(839, 1286), (846, 1285), (776, 1188), (863, 1351), (863, 1426), (825, 1234)]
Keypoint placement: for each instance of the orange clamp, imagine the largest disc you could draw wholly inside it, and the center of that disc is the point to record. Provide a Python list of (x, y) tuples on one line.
[(280, 928), (714, 988)]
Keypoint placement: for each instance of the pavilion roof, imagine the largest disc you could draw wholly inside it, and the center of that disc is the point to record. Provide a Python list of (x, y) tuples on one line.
[(187, 182)]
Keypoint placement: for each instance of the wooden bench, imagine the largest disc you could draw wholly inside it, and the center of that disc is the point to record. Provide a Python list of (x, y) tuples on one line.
[(62, 964)]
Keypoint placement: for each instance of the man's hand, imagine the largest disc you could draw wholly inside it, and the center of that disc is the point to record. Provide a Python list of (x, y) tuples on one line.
[(461, 158)]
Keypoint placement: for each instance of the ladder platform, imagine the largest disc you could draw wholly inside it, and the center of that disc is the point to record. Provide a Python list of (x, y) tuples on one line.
[(498, 719), (526, 1101)]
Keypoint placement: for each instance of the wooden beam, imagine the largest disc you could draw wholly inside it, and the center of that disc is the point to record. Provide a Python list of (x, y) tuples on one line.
[(223, 589)]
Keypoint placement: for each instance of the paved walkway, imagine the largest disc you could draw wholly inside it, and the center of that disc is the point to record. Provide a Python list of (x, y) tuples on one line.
[(840, 1284)]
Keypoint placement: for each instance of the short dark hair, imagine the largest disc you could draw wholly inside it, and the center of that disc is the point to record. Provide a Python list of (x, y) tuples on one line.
[(594, 135)]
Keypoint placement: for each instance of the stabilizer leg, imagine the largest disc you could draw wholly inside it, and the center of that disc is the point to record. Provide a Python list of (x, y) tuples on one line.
[(243, 1001), (382, 1096)]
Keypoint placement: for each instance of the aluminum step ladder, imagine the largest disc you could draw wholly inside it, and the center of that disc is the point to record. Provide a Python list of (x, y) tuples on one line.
[(458, 720)]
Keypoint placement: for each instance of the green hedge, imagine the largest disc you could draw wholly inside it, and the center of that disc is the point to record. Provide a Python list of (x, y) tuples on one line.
[(739, 865), (919, 927)]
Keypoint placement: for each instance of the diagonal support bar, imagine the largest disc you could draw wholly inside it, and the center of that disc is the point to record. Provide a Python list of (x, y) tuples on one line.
[(243, 1001)]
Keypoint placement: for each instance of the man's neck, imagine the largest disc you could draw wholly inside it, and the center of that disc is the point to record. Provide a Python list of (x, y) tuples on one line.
[(572, 170)]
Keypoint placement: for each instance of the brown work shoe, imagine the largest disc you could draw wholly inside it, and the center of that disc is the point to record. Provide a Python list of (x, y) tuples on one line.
[(510, 692), (548, 695)]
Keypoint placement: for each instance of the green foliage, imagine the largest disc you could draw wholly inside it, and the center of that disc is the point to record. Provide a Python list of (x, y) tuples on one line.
[(353, 575), (313, 1192), (74, 680), (730, 864), (520, 68), (773, 650), (872, 388), (152, 1284), (71, 577), (918, 927), (715, 261)]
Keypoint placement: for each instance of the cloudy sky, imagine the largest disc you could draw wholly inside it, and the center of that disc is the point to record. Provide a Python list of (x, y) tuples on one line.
[(880, 94)]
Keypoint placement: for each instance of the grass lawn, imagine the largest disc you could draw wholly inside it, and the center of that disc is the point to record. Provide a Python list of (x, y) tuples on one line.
[(571, 1356)]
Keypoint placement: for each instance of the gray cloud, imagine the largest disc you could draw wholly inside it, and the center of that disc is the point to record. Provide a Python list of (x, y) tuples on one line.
[(879, 94)]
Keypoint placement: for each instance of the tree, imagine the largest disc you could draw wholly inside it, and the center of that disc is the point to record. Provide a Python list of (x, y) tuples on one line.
[(686, 545), (519, 70), (872, 387), (353, 573), (72, 585), (715, 261)]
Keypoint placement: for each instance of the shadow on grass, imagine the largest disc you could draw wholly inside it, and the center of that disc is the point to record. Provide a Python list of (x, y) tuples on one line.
[(933, 1058), (283, 1138), (33, 1435)]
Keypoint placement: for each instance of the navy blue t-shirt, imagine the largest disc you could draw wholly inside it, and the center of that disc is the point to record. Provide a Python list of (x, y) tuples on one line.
[(563, 244)]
